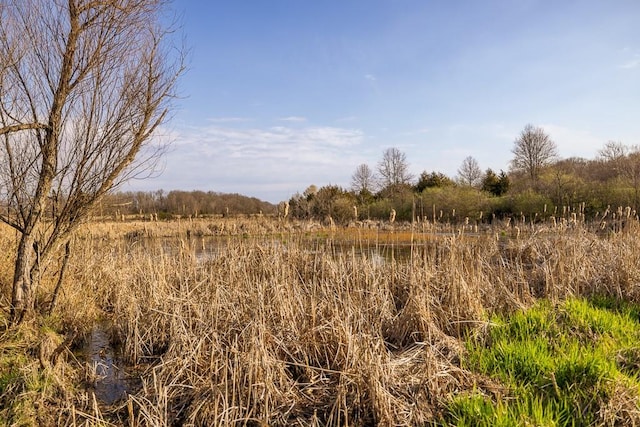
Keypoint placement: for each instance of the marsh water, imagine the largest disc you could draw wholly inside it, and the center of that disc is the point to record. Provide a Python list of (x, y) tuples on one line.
[(210, 246), (111, 382), (114, 379)]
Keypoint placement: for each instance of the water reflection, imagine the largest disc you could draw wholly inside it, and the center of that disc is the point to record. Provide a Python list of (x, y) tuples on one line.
[(207, 248), (111, 382)]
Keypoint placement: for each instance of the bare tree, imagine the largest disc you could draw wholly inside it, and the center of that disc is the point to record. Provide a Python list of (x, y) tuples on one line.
[(533, 150), (613, 151), (84, 84), (470, 173), (625, 161), (393, 168), (363, 179)]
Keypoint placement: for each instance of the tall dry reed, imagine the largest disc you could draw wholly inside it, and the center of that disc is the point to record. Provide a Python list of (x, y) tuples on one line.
[(300, 334), (289, 331)]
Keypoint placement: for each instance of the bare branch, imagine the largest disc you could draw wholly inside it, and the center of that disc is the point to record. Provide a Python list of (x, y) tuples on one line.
[(84, 87), (23, 126)]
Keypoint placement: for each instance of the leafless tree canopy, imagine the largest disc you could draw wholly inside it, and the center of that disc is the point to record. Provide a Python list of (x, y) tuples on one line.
[(533, 150), (393, 168), (625, 163), (470, 173), (83, 86), (363, 179), (613, 151)]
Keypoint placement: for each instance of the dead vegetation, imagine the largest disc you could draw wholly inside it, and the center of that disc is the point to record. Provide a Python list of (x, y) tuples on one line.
[(286, 331)]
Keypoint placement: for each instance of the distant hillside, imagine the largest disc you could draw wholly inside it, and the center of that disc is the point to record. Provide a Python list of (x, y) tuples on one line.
[(183, 203)]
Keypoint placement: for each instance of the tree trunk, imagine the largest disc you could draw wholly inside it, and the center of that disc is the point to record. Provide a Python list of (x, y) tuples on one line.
[(22, 296)]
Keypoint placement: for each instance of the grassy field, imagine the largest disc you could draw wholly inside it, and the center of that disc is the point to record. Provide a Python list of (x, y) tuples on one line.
[(294, 324)]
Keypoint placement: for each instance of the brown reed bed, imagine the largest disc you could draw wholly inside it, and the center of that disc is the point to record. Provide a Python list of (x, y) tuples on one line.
[(288, 332)]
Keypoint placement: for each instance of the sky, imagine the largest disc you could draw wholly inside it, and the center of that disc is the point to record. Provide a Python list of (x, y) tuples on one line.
[(283, 94)]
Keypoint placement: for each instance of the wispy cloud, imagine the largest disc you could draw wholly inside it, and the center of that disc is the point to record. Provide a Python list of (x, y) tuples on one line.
[(632, 59), (415, 132), (634, 63), (293, 119), (347, 119), (370, 77), (286, 159), (229, 119)]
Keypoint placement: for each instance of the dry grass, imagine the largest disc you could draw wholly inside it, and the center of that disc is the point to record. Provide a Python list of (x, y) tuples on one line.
[(273, 333)]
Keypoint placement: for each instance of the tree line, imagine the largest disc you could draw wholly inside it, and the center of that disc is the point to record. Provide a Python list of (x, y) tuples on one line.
[(173, 204), (537, 185)]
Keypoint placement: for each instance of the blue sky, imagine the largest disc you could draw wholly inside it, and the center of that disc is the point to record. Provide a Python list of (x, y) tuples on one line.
[(282, 94)]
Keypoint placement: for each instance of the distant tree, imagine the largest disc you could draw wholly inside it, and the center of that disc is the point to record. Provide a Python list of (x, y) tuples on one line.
[(533, 150), (332, 201), (469, 173), (393, 168), (310, 192), (496, 185), (432, 180), (503, 184), (399, 197), (489, 181), (299, 207), (613, 151), (631, 172), (363, 179), (625, 162)]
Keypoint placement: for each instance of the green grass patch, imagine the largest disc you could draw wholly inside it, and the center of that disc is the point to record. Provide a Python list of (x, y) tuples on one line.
[(562, 364)]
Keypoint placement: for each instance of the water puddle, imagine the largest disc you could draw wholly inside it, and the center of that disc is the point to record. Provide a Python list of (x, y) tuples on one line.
[(111, 382)]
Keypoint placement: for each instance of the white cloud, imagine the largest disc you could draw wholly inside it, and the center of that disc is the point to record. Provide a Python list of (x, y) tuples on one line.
[(634, 63), (229, 119), (276, 161), (370, 77), (347, 119), (415, 132), (293, 119)]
